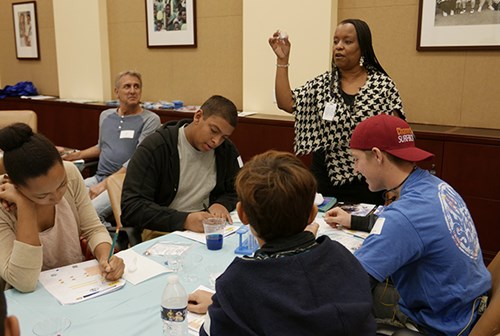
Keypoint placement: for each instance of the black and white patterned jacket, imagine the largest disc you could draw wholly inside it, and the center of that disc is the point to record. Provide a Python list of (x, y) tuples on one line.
[(312, 132)]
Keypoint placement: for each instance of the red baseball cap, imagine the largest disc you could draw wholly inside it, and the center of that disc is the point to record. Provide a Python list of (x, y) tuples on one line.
[(390, 134)]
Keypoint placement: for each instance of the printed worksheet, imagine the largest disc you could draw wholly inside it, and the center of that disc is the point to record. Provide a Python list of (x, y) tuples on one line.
[(352, 240), (78, 282), (200, 237)]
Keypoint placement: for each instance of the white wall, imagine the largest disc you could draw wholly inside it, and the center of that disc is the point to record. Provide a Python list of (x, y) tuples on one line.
[(82, 49), (309, 26)]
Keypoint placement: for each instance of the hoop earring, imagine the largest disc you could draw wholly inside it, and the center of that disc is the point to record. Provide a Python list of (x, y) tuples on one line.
[(361, 61)]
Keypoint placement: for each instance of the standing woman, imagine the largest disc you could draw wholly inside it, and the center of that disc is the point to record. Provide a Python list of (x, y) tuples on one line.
[(328, 107), (44, 210)]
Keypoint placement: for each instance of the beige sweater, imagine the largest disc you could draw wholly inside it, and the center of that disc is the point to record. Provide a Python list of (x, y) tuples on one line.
[(21, 263)]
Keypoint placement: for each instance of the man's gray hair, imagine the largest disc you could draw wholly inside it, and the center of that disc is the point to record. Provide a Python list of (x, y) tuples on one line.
[(127, 73)]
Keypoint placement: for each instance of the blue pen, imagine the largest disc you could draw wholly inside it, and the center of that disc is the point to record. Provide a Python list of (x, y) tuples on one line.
[(114, 243), (349, 232)]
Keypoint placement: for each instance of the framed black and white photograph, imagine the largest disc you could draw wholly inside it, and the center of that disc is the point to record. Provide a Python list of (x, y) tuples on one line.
[(171, 23), (458, 25), (26, 30)]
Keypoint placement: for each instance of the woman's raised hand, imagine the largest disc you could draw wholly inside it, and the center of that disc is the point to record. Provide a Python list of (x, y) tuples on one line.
[(281, 45)]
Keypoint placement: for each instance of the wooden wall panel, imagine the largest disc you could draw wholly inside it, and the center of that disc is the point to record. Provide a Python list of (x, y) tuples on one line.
[(435, 164)]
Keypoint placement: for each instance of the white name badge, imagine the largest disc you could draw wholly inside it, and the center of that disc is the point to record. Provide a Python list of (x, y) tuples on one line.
[(378, 226), (329, 112), (128, 134)]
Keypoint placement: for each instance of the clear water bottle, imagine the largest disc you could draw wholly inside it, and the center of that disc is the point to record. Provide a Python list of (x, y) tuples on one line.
[(174, 308)]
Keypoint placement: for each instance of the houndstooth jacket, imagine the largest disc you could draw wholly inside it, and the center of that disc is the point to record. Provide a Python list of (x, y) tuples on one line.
[(312, 132)]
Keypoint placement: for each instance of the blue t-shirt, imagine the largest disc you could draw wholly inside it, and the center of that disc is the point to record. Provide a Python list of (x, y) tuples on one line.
[(428, 245), (119, 136)]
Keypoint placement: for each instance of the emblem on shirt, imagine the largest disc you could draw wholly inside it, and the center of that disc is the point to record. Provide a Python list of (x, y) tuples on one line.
[(459, 221)]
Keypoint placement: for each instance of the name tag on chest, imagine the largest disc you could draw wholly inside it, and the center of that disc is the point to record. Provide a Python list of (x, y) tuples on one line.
[(329, 112), (127, 134)]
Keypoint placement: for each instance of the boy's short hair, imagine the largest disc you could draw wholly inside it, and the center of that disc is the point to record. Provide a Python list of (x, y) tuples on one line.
[(221, 107), (277, 192)]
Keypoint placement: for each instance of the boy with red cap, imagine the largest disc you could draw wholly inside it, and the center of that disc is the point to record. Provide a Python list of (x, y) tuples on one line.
[(425, 241)]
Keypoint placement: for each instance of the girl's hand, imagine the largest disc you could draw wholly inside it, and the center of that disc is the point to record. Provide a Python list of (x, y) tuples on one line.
[(9, 195)]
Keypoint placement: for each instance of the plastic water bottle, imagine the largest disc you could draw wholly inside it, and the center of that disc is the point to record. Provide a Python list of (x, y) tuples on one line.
[(174, 308)]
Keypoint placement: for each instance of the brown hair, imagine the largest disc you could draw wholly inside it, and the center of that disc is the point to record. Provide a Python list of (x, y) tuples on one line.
[(277, 192)]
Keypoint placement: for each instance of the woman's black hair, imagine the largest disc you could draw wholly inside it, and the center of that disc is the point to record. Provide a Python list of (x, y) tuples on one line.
[(365, 43), (26, 154)]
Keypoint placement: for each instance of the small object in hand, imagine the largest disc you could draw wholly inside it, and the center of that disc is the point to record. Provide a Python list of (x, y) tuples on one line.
[(283, 35)]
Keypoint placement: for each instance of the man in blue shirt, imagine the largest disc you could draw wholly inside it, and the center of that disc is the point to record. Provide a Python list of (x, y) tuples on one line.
[(120, 132), (425, 241)]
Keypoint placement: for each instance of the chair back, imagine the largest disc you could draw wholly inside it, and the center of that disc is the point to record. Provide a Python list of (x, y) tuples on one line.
[(28, 117), (115, 184), (8, 117), (489, 323)]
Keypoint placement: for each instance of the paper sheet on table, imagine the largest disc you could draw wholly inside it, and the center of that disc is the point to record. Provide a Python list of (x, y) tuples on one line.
[(78, 282), (200, 237), (195, 321), (76, 100), (245, 114), (144, 268), (351, 239), (167, 247), (235, 217), (38, 97)]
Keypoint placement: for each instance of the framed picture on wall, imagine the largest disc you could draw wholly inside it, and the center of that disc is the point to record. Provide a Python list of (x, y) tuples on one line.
[(458, 25), (171, 23), (26, 30)]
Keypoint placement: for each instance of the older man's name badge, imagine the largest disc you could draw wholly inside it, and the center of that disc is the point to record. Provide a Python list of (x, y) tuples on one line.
[(329, 112), (127, 134)]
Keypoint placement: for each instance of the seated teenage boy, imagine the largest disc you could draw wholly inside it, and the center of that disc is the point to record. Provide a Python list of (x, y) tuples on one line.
[(9, 325), (182, 168), (425, 241), (294, 283)]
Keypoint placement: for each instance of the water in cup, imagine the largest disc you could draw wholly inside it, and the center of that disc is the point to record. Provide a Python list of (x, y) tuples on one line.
[(214, 232)]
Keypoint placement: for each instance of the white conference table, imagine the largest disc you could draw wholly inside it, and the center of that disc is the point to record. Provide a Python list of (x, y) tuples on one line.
[(133, 309)]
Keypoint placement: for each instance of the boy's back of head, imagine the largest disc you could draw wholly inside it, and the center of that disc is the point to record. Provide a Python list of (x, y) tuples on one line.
[(276, 192)]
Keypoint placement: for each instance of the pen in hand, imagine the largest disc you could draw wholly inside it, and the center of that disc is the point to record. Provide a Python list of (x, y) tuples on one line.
[(113, 244), (205, 208)]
